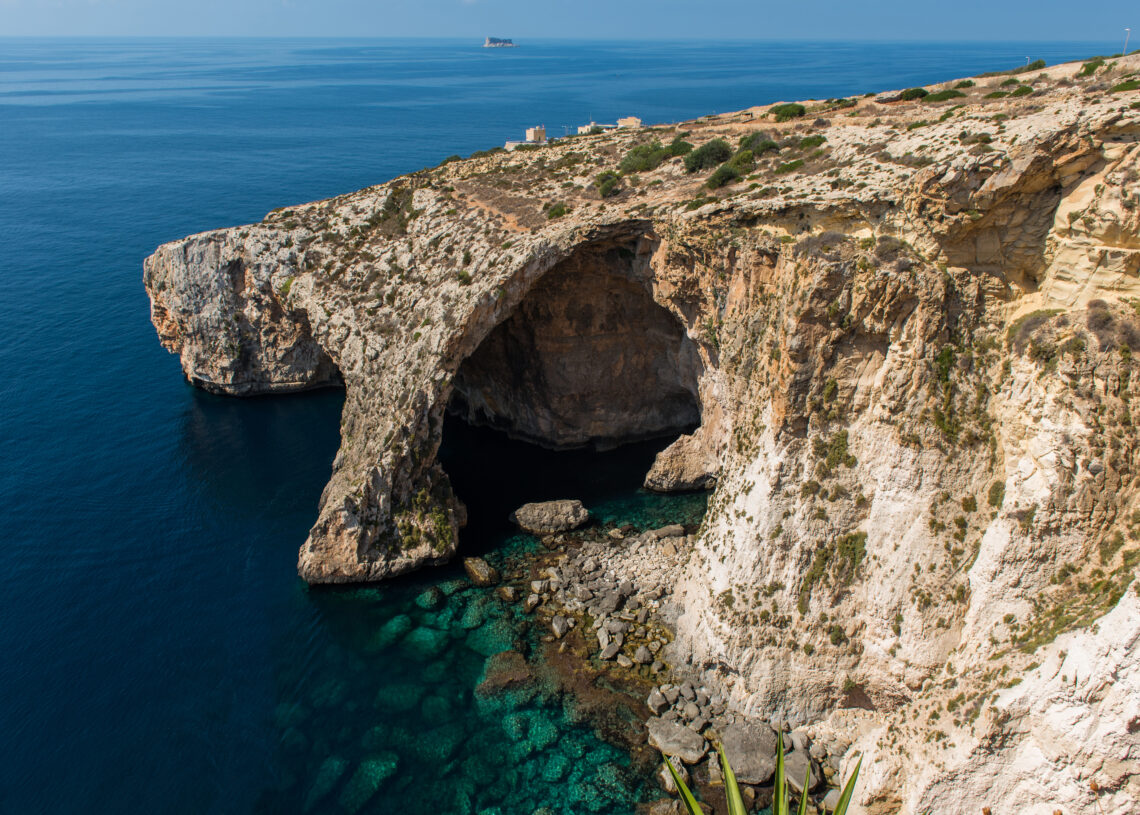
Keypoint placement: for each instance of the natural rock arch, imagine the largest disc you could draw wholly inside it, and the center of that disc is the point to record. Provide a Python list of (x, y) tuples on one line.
[(586, 357)]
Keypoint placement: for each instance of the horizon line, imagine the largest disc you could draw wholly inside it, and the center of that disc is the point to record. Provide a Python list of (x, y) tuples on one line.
[(473, 39)]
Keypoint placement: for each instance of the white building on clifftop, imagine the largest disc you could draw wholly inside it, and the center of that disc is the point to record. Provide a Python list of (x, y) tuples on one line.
[(534, 136)]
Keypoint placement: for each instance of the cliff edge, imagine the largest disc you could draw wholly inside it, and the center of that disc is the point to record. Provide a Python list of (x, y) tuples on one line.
[(897, 334)]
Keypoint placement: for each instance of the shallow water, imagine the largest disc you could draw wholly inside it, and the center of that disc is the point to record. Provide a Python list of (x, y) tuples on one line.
[(392, 702), (160, 654)]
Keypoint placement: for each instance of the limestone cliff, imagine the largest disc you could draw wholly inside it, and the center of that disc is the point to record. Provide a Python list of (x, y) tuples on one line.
[(899, 341)]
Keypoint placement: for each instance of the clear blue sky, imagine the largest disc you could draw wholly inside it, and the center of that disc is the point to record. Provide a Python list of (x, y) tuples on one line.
[(1099, 22)]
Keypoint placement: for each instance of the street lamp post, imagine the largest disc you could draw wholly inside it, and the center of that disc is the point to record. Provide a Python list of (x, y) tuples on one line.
[(1127, 34)]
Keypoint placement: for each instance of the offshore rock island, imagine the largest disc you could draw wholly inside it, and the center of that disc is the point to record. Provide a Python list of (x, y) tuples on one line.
[(896, 334)]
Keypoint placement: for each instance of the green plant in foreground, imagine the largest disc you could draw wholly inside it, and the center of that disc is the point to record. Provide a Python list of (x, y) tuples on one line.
[(781, 801)]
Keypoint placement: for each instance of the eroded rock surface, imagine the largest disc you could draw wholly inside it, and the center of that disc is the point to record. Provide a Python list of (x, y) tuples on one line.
[(908, 335), (550, 517)]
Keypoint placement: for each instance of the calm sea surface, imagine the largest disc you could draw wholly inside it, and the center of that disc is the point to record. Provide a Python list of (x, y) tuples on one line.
[(159, 652)]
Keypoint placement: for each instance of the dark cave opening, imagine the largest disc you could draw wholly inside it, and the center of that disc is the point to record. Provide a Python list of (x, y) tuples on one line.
[(573, 395), (588, 358)]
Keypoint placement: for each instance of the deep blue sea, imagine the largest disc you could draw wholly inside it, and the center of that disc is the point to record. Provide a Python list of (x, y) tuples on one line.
[(159, 653)]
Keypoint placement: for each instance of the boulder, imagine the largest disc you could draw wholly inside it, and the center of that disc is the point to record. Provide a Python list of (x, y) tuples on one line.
[(750, 748), (480, 571), (798, 764), (670, 531), (673, 739), (548, 517), (656, 702), (559, 625), (684, 465), (430, 599), (643, 657), (665, 778)]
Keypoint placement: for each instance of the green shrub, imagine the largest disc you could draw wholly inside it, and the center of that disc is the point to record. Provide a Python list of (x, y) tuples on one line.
[(789, 167), (679, 147), (911, 94), (464, 278), (607, 183), (758, 143), (1091, 67), (965, 83), (943, 96), (997, 494), (1130, 85), (724, 174), (1036, 65), (1010, 81), (1022, 90), (996, 95), (811, 141), (557, 210), (781, 795), (642, 158), (708, 155), (785, 113)]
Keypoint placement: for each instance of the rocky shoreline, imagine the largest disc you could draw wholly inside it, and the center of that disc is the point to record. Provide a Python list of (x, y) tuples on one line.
[(602, 597), (903, 332)]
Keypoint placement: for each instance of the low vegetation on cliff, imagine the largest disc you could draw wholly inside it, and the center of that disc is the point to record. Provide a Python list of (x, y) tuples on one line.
[(898, 332)]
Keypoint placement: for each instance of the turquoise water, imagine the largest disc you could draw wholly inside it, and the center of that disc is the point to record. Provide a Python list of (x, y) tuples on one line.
[(393, 703), (160, 654)]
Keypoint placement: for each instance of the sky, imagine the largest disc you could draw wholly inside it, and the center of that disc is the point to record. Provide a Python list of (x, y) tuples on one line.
[(965, 20)]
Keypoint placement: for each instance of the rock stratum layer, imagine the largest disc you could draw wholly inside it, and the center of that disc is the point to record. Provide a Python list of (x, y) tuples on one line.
[(900, 342)]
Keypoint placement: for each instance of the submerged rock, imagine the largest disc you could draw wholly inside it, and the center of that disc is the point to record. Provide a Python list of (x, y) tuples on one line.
[(426, 642), (369, 775), (480, 571), (430, 599), (548, 517), (330, 771), (491, 638), (390, 633)]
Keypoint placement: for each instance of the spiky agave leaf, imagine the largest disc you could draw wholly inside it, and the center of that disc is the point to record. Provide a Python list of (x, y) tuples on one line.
[(780, 799), (686, 796), (731, 789), (848, 790), (804, 789)]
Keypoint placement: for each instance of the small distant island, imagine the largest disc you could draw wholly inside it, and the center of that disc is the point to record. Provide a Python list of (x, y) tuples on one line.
[(496, 42)]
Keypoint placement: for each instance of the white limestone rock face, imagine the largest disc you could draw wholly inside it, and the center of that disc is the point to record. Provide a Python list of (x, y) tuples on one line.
[(913, 364)]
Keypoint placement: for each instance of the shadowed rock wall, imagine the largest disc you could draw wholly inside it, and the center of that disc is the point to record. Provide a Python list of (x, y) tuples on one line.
[(588, 357)]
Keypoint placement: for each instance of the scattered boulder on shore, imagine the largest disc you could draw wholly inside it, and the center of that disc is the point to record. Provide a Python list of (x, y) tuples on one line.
[(480, 571), (798, 764), (549, 517), (673, 739), (750, 748)]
